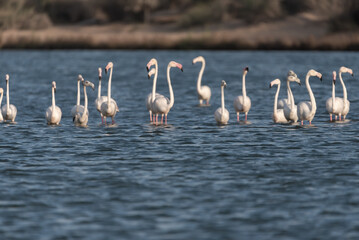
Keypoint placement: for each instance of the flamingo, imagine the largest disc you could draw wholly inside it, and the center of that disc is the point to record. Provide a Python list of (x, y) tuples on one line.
[(345, 100), (109, 108), (307, 109), (278, 114), (9, 111), (162, 105), (204, 92), (53, 113), (334, 104), (100, 99), (81, 119), (291, 77), (242, 103), (290, 109), (2, 94), (149, 98), (77, 108), (221, 114)]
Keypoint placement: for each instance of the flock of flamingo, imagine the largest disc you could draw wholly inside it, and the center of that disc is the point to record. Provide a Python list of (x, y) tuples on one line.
[(284, 110)]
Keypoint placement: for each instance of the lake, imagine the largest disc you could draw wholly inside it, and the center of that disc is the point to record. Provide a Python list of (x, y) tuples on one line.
[(190, 179)]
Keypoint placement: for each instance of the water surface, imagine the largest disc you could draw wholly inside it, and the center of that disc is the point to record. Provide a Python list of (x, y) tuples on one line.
[(191, 179)]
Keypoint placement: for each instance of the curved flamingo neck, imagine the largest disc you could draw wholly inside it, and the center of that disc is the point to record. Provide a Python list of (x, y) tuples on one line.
[(7, 97), (289, 93), (53, 98), (345, 96), (85, 105), (78, 93), (222, 99), (109, 88), (199, 80), (2, 94), (333, 95), (276, 101), (154, 83), (244, 92), (311, 95), (99, 88), (172, 97)]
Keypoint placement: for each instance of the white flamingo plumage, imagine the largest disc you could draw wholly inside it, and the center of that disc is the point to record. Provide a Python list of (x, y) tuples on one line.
[(154, 71), (306, 110), (162, 105), (81, 119), (100, 99), (9, 111), (2, 94), (204, 92), (290, 109), (334, 105), (109, 108), (345, 100), (78, 108), (242, 103), (221, 115), (278, 114), (291, 77), (53, 113)]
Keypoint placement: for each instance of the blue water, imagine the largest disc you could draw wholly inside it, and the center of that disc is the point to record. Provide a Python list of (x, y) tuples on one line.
[(191, 179)]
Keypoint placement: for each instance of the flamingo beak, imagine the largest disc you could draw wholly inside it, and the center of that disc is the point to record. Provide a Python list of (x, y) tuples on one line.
[(55, 89), (321, 78), (270, 85), (148, 75), (93, 87), (334, 81), (246, 69), (106, 69), (182, 69), (147, 68)]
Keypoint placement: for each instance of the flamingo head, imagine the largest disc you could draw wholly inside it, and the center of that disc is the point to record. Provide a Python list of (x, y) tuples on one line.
[(274, 82), (198, 59), (313, 73), (223, 83), (175, 64), (334, 76), (79, 77), (99, 73), (153, 61), (109, 65), (54, 85), (245, 70), (7, 77), (346, 70), (88, 84), (292, 77), (153, 71), (1, 91)]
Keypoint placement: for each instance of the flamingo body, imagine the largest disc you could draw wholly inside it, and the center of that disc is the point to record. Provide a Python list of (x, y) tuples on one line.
[(221, 115), (53, 113)]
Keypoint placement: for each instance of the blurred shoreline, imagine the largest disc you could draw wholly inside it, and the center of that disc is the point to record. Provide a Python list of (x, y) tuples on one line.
[(304, 31)]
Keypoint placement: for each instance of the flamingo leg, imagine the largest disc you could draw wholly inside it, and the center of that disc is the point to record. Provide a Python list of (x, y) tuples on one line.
[(162, 119), (301, 122), (237, 116), (166, 119), (101, 119), (207, 102), (310, 122), (336, 117), (150, 116), (113, 120), (340, 117), (156, 119), (330, 116), (343, 118), (200, 102), (245, 117)]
